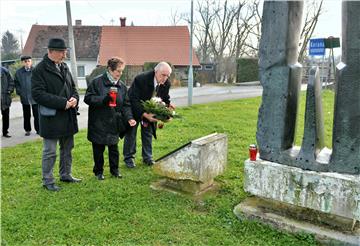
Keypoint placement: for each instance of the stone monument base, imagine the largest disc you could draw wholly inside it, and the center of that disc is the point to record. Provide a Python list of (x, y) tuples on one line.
[(184, 187), (294, 219), (192, 167), (318, 199)]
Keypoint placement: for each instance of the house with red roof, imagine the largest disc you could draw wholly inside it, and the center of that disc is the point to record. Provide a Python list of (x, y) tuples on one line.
[(137, 45)]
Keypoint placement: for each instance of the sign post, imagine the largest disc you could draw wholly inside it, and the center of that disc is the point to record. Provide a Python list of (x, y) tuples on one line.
[(317, 47), (332, 43)]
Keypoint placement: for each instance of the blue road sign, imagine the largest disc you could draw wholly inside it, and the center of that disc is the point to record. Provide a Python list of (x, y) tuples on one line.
[(317, 47)]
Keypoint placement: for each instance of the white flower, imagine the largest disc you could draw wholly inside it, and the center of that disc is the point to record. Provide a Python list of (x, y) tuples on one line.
[(156, 99)]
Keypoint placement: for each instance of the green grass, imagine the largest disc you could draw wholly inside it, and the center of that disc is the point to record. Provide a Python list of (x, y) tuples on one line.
[(128, 211)]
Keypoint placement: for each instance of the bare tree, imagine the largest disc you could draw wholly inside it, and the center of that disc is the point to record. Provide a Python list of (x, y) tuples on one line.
[(220, 36), (226, 30), (245, 23), (313, 11), (224, 21), (175, 17), (251, 45), (223, 30), (204, 27)]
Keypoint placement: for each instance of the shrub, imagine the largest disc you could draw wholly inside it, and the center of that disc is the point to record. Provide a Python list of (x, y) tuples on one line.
[(247, 69)]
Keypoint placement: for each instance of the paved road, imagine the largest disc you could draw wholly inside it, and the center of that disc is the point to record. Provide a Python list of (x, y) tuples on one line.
[(205, 94)]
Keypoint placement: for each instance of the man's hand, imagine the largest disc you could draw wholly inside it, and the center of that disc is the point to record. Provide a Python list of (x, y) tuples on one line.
[(149, 117), (68, 105), (132, 122), (171, 106), (71, 103)]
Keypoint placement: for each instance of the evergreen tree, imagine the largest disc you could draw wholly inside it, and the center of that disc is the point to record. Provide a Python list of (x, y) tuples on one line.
[(9, 47)]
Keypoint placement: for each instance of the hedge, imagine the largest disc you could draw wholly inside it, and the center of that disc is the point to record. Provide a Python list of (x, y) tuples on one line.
[(247, 70)]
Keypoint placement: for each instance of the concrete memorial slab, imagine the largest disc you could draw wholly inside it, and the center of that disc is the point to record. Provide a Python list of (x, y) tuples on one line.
[(193, 167)]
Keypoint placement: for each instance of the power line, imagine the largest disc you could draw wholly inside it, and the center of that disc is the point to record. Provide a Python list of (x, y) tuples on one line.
[(88, 2)]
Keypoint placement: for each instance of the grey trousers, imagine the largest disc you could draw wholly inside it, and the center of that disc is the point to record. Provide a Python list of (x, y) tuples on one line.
[(129, 149), (49, 158)]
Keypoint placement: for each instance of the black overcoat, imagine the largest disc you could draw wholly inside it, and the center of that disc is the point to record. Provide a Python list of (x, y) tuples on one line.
[(142, 89), (47, 90), (22, 81), (102, 127), (7, 87)]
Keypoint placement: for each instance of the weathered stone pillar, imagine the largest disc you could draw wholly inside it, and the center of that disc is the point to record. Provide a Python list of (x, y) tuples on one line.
[(313, 138), (280, 76), (346, 132)]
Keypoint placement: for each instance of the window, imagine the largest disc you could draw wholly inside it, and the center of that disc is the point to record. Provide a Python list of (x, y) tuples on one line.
[(209, 67), (81, 71)]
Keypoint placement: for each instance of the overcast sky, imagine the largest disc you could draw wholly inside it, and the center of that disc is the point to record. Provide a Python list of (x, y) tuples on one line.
[(18, 16)]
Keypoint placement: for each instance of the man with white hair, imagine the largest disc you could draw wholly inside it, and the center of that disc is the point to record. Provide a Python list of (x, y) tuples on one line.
[(145, 86)]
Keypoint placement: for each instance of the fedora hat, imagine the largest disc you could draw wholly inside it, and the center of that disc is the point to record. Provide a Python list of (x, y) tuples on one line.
[(57, 44)]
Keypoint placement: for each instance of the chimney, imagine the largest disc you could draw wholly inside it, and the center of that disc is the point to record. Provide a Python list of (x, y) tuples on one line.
[(122, 21), (77, 22)]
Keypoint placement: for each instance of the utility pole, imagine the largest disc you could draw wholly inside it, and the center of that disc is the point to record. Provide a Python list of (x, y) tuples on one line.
[(21, 31), (71, 44), (190, 75)]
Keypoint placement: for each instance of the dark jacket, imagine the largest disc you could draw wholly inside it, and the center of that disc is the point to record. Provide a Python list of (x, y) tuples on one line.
[(7, 87), (52, 88), (142, 89), (23, 85), (102, 125)]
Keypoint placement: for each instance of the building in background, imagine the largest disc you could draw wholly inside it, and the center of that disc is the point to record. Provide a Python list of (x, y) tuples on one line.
[(137, 45)]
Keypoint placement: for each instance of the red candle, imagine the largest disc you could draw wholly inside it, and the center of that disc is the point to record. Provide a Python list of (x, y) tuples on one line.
[(252, 152), (113, 95)]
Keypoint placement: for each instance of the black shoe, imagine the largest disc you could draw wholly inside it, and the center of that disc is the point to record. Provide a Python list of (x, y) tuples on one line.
[(27, 133), (130, 164), (6, 135), (117, 175), (70, 180), (149, 162), (100, 176), (51, 187)]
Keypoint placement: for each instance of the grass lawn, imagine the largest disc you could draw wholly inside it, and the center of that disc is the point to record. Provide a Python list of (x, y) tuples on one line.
[(128, 211)]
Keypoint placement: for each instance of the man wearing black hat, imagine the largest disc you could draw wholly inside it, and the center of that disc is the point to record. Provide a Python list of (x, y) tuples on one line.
[(53, 88), (23, 89)]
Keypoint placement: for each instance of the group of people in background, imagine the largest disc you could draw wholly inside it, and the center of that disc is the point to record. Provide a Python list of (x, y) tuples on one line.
[(50, 92), (22, 84)]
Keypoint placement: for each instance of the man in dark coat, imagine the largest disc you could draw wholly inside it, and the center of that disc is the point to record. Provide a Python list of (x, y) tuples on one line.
[(23, 89), (7, 87), (104, 117), (145, 86), (53, 88)]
